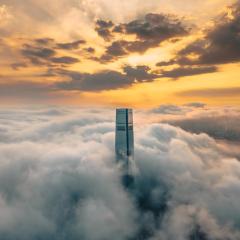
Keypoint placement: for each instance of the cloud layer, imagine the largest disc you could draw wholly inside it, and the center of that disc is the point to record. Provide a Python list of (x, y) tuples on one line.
[(59, 180)]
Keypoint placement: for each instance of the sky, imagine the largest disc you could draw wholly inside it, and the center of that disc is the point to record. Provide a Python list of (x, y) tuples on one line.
[(119, 53), (65, 65)]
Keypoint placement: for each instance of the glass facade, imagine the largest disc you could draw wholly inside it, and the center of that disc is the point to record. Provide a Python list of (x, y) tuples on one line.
[(124, 139)]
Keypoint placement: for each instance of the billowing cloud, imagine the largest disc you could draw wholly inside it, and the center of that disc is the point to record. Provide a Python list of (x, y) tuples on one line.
[(220, 123), (59, 180)]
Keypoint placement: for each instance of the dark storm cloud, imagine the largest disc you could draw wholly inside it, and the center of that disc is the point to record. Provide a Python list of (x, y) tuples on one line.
[(220, 45), (37, 52), (59, 180), (95, 82), (195, 47), (44, 41), (71, 45), (155, 27), (223, 42), (139, 73), (47, 55), (117, 48), (105, 80), (64, 60), (114, 51), (165, 63), (149, 31), (187, 71), (18, 65), (90, 49), (103, 29), (74, 80), (121, 48), (52, 42), (104, 24), (212, 92)]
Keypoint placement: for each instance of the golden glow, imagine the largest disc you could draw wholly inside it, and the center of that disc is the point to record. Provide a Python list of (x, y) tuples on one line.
[(164, 91), (66, 23)]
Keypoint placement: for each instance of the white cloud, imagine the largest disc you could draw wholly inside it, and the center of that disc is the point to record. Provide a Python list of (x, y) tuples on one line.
[(58, 180)]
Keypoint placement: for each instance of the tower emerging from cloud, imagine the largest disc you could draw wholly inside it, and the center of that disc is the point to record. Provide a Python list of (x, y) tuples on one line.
[(124, 139)]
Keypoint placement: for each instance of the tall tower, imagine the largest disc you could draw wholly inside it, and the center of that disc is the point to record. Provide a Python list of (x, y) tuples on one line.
[(124, 140)]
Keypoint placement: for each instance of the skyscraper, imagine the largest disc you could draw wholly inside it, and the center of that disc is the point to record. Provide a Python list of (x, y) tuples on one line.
[(124, 140)]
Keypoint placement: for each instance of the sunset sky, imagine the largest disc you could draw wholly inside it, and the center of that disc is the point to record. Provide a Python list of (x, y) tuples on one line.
[(66, 65), (119, 53)]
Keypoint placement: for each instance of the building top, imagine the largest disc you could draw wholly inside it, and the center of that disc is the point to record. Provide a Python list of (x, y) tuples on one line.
[(124, 116), (119, 110)]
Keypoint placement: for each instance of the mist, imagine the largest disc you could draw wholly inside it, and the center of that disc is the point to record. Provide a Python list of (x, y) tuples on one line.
[(59, 180)]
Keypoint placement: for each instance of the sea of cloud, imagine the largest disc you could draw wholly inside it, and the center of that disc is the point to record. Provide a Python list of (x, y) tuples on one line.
[(59, 180)]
